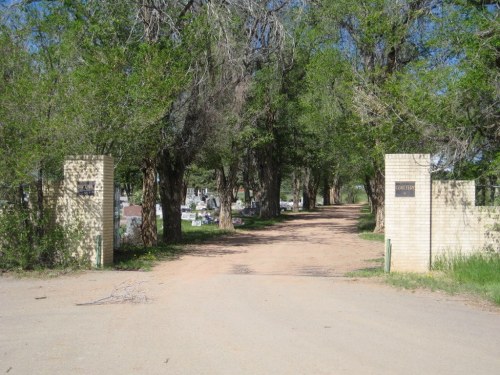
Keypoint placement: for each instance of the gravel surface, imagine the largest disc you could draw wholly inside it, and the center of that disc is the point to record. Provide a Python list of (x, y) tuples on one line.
[(272, 301)]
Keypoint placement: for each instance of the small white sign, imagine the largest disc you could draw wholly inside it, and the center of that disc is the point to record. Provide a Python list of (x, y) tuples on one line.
[(196, 223)]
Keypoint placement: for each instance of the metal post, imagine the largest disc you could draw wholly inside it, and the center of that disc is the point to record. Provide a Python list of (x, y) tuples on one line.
[(98, 250), (388, 250)]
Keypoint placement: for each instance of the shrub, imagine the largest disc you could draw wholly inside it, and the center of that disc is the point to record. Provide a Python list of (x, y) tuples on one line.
[(27, 244)]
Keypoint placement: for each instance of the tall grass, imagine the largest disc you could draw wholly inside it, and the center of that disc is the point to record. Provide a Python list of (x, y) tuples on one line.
[(479, 272)]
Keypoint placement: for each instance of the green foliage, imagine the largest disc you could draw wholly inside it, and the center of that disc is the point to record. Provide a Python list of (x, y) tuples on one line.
[(199, 177), (328, 88), (256, 223), (139, 258), (367, 272), (478, 268), (22, 249), (433, 282), (370, 236), (192, 235), (366, 221), (476, 274), (365, 225)]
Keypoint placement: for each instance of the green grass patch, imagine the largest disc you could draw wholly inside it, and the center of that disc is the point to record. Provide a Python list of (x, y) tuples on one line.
[(375, 271), (432, 281), (253, 223), (191, 235), (133, 258), (370, 236), (366, 222), (366, 272), (477, 274), (366, 225)]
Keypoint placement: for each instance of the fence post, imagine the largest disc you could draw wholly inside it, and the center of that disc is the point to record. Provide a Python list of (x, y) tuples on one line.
[(98, 250), (387, 266)]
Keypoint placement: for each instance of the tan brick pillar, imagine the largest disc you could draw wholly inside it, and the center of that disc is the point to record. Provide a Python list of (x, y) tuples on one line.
[(408, 211), (88, 203)]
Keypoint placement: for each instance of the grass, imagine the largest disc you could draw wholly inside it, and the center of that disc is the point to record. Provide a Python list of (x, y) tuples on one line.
[(42, 273), (191, 235), (433, 281), (366, 221), (253, 223), (133, 258), (370, 236), (366, 225), (477, 275), (376, 270)]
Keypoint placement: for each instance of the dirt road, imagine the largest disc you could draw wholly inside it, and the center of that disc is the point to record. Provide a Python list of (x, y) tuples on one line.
[(267, 302)]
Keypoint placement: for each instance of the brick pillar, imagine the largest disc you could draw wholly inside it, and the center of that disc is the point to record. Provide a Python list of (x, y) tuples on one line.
[(88, 203), (408, 211)]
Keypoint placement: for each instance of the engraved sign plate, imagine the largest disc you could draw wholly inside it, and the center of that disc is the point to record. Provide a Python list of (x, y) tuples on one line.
[(85, 188), (405, 188)]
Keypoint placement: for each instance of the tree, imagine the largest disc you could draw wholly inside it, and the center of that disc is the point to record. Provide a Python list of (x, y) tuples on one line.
[(379, 39)]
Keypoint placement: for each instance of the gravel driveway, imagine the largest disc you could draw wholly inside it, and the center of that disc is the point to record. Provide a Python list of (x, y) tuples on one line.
[(272, 301)]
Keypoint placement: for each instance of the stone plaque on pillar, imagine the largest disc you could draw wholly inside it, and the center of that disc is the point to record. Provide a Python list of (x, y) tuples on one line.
[(405, 188)]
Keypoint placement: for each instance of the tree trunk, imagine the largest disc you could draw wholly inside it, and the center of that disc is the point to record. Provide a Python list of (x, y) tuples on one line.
[(225, 186), (493, 183), (171, 174), (375, 189), (335, 191), (327, 197), (270, 180), (128, 191), (482, 192), (305, 191), (311, 183), (39, 225), (23, 206), (148, 227), (269, 204), (296, 190), (313, 191), (246, 179), (184, 190)]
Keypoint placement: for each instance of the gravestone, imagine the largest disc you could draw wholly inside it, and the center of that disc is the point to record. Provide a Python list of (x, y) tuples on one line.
[(132, 235)]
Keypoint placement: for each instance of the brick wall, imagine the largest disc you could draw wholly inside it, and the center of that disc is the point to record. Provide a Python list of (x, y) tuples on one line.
[(407, 219), (92, 214), (441, 217), (458, 226)]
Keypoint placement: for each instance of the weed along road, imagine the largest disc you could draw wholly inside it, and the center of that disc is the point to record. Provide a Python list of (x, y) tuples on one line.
[(271, 301)]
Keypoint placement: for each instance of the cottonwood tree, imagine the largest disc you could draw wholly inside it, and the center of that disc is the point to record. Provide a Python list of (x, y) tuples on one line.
[(33, 96), (468, 133), (379, 39)]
